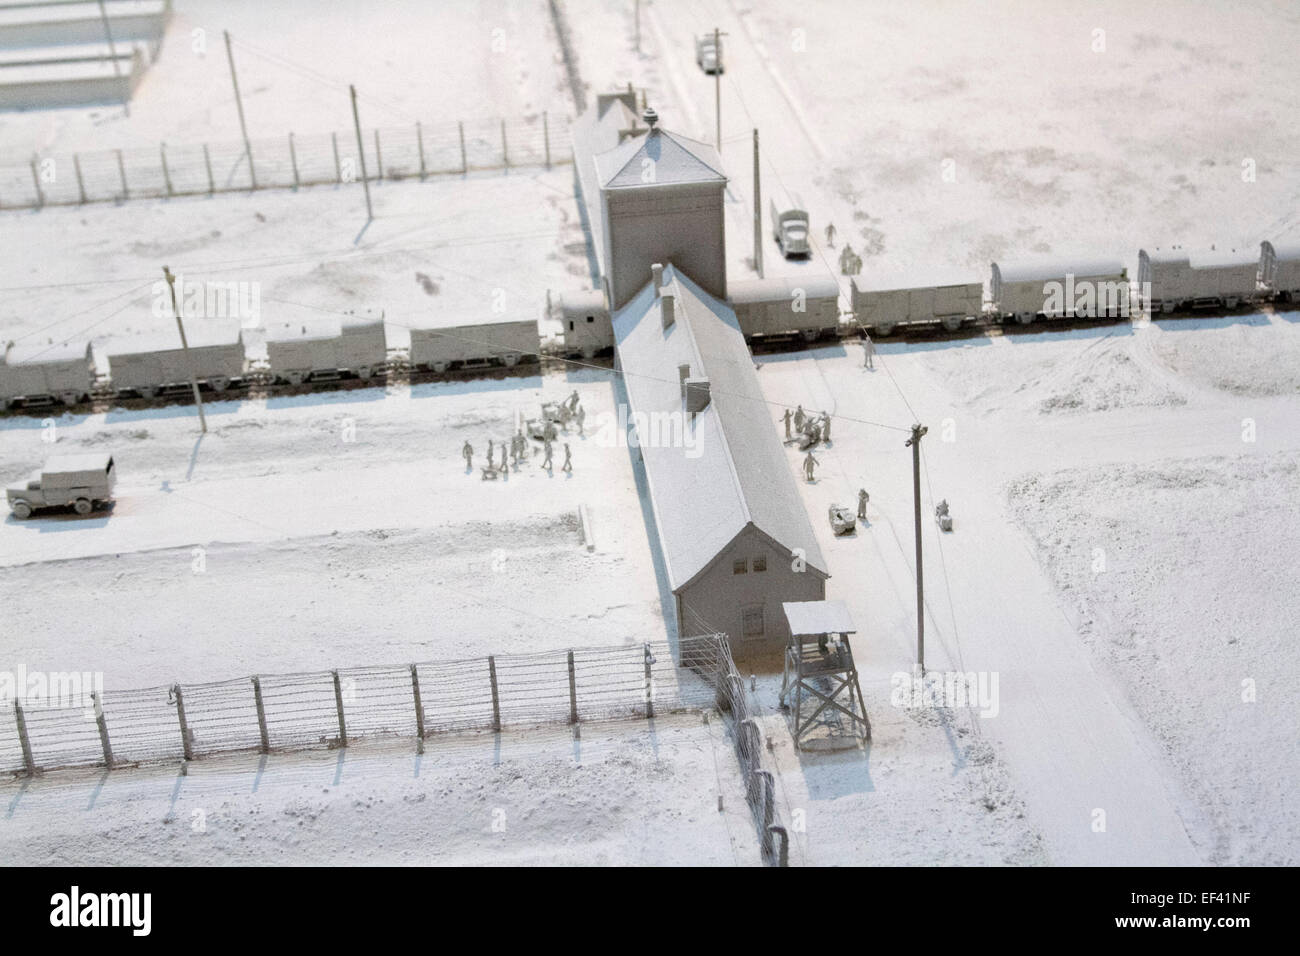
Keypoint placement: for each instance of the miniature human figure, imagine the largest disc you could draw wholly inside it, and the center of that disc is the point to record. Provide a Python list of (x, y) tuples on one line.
[(799, 418), (490, 464), (573, 401), (505, 463), (547, 450), (830, 234), (468, 453), (941, 508), (582, 417), (808, 464), (787, 416), (568, 459), (846, 259), (868, 351), (826, 426), (862, 503)]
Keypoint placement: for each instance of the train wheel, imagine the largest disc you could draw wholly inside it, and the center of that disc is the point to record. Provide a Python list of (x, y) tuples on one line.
[(1230, 302), (588, 352), (810, 335), (510, 360), (1025, 318), (22, 509), (365, 372), (82, 506), (296, 378), (151, 391), (438, 367), (952, 322), (219, 384)]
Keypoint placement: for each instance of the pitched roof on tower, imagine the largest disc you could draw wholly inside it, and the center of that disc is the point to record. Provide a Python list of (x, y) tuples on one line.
[(675, 159)]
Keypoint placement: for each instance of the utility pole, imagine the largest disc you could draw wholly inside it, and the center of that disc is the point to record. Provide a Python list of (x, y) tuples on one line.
[(717, 83), (637, 14), (185, 347), (758, 214), (239, 105), (915, 443), (361, 151)]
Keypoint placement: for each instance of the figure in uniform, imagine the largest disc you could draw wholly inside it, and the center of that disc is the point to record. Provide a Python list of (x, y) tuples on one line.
[(826, 426), (582, 417), (788, 415), (547, 451), (809, 464), (468, 454), (862, 503), (846, 260), (490, 463), (868, 352), (568, 459), (830, 234), (799, 418)]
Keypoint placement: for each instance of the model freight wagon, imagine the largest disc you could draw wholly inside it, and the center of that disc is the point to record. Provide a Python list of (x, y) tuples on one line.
[(1059, 289), (1178, 280), (79, 481), (326, 349), (1279, 268), (148, 365), (475, 346), (41, 374), (880, 305), (778, 307)]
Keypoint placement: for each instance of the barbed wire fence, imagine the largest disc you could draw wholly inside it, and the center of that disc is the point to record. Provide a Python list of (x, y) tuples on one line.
[(286, 162), (69, 726)]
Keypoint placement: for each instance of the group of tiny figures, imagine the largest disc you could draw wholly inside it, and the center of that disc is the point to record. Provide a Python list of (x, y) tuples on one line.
[(811, 428), (517, 448), (850, 261)]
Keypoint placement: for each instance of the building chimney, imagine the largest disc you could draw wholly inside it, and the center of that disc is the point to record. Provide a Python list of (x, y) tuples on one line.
[(650, 116), (667, 308), (697, 395), (656, 277)]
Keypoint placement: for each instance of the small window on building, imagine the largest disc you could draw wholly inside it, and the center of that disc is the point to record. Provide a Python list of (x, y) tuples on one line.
[(591, 318), (753, 621), (739, 567), (760, 563), (570, 325)]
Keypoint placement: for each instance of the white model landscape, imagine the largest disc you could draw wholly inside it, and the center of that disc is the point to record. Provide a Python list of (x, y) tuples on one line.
[(1122, 494)]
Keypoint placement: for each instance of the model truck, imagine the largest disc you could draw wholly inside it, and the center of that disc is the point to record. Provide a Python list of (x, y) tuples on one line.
[(790, 228), (708, 53), (79, 481)]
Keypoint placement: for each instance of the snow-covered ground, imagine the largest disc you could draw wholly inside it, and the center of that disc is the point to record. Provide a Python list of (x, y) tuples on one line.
[(1125, 729), (629, 793)]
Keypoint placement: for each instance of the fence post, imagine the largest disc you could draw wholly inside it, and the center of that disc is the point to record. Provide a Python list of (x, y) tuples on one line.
[(419, 706), (419, 142), (496, 699), (81, 183), (338, 699), (186, 747), (505, 150), (121, 168), (573, 692), (102, 723), (649, 684), (379, 158), (293, 160), (261, 716), (207, 162), (167, 176), (464, 163), (338, 168), (28, 762), (546, 138), (36, 181)]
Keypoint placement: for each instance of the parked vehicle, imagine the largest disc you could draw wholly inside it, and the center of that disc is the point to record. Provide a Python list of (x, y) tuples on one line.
[(881, 305), (151, 364), (708, 53), (43, 374), (327, 349), (790, 227), (1057, 289), (843, 520), (475, 346), (1176, 279), (78, 481)]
